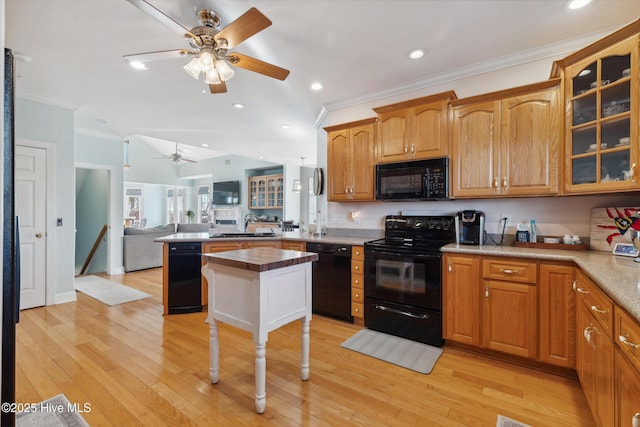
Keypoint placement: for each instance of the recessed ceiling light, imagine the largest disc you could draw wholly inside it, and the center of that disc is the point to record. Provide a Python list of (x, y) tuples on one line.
[(138, 65), (238, 105), (577, 4), (204, 145), (285, 126), (416, 53), (316, 86)]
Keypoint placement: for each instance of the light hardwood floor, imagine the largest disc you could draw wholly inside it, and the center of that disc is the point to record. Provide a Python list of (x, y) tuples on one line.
[(136, 367)]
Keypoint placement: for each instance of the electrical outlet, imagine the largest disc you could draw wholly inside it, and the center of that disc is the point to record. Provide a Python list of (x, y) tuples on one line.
[(500, 221)]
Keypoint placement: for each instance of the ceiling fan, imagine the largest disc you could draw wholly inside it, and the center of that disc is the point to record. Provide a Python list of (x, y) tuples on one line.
[(176, 157), (209, 46)]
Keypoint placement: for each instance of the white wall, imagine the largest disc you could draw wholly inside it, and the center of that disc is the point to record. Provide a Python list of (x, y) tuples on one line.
[(553, 215), (41, 122)]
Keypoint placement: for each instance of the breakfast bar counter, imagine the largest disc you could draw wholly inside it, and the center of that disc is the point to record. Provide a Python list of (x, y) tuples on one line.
[(259, 290)]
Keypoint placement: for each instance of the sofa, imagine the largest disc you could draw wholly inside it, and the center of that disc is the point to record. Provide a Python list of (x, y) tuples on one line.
[(139, 250)]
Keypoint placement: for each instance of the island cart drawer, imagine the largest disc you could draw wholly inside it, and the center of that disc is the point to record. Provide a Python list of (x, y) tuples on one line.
[(596, 301), (627, 334), (513, 271)]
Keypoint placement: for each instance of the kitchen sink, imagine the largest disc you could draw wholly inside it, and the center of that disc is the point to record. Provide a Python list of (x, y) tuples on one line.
[(269, 234)]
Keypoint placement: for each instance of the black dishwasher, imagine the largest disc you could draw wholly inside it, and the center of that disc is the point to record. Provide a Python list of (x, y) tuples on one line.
[(331, 280), (185, 286)]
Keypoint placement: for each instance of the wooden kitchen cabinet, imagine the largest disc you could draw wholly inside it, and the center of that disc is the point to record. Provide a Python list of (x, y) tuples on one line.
[(556, 315), (461, 298), (415, 129), (601, 114), (357, 283), (294, 245), (627, 369), (507, 143), (595, 349), (509, 293), (351, 161), (266, 192)]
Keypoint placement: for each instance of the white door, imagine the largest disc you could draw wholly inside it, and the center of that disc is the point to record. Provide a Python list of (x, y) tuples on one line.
[(31, 208)]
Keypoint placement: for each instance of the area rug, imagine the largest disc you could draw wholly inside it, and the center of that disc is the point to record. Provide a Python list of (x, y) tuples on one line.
[(399, 351), (107, 291), (54, 412), (508, 422)]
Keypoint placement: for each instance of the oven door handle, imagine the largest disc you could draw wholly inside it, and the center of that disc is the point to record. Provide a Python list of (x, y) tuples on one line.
[(396, 255), (402, 312)]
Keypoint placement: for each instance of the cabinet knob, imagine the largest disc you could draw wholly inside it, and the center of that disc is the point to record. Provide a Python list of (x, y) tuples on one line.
[(357, 295), (357, 310), (635, 420), (356, 267), (357, 281)]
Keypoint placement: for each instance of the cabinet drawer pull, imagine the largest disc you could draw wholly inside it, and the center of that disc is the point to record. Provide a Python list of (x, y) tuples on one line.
[(450, 268), (624, 340), (495, 183), (579, 289), (486, 292), (413, 148), (505, 182), (406, 149), (508, 271), (595, 309), (587, 334), (635, 420)]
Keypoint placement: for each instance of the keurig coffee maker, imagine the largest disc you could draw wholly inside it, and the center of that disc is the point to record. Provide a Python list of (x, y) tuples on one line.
[(470, 228)]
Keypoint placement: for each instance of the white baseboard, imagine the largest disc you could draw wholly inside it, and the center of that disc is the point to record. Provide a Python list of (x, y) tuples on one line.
[(66, 297)]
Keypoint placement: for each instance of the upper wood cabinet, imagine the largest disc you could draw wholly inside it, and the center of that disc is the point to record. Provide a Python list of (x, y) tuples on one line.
[(601, 89), (415, 129), (351, 161), (507, 143), (266, 192)]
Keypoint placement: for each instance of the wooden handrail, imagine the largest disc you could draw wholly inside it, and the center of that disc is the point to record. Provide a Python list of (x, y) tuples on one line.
[(94, 249)]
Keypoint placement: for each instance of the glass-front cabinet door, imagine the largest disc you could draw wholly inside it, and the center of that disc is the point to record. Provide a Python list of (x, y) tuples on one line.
[(602, 120)]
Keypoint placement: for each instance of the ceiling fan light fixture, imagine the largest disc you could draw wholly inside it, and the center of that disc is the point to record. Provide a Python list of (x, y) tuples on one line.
[(212, 77), (225, 71), (193, 68)]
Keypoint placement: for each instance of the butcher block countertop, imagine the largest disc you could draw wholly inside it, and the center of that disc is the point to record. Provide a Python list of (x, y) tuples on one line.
[(617, 276), (260, 259)]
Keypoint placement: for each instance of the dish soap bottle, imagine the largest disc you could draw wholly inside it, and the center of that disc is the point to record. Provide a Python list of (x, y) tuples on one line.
[(533, 231)]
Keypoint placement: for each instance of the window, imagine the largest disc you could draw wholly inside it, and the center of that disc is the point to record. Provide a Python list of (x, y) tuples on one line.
[(175, 205), (203, 204), (133, 207)]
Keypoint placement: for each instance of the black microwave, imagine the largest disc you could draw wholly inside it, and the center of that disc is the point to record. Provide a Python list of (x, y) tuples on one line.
[(415, 180)]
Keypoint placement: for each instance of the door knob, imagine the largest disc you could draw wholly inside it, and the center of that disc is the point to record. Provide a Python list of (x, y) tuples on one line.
[(39, 235)]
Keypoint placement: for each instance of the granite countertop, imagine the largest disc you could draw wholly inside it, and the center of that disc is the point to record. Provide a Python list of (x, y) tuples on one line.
[(289, 235), (617, 276), (260, 259)]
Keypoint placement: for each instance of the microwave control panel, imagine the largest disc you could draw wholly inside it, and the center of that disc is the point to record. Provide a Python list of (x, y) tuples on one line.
[(437, 183)]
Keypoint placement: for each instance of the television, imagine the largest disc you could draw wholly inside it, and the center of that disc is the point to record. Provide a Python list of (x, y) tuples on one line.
[(226, 193)]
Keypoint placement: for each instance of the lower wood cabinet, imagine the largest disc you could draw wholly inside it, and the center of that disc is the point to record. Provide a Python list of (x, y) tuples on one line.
[(294, 245), (514, 306), (627, 369), (509, 317), (357, 283), (461, 299), (595, 351), (556, 315)]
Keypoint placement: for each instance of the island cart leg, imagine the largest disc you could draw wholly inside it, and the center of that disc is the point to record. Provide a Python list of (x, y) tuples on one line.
[(214, 366), (261, 376), (304, 364)]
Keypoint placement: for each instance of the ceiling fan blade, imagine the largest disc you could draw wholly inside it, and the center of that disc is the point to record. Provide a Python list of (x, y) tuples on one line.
[(246, 25), (182, 159), (252, 64), (157, 55), (218, 87), (159, 16)]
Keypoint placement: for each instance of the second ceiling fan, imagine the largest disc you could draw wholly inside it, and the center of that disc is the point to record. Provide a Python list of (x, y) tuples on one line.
[(210, 46)]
